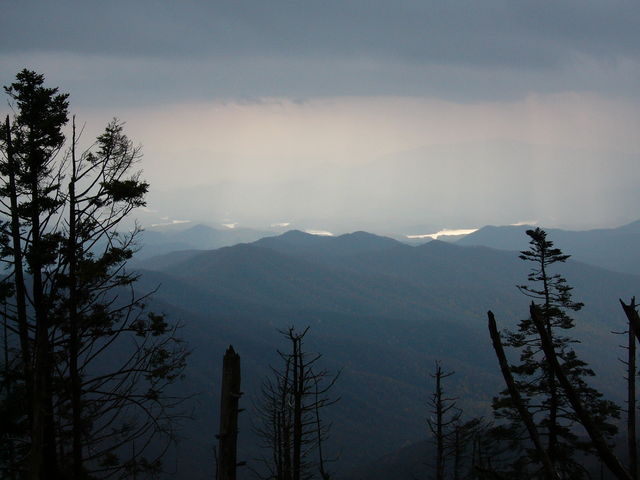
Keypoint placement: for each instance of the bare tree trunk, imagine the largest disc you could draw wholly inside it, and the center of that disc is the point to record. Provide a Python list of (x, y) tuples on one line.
[(439, 430), (631, 406), (290, 421), (229, 396), (298, 388), (23, 327), (607, 456), (552, 444), (285, 425), (517, 400), (631, 312), (35, 456), (633, 317), (74, 346), (43, 460)]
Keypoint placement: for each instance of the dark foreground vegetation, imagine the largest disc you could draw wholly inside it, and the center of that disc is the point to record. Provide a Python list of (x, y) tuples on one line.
[(89, 372), (85, 367)]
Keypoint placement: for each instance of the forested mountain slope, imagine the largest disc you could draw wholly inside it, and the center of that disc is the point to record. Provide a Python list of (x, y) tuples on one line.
[(381, 310)]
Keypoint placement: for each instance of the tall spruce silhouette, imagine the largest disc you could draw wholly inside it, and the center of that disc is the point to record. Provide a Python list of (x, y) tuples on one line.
[(536, 381), (86, 366)]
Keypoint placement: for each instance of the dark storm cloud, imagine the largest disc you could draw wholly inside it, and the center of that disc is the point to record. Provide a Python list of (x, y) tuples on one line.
[(520, 34)]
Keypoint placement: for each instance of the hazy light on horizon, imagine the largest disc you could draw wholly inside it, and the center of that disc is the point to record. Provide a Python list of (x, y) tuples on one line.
[(271, 139), (444, 233), (390, 118), (321, 233), (172, 222), (369, 163), (524, 223)]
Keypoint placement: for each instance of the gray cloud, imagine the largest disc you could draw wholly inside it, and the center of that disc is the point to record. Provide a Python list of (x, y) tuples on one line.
[(335, 47), (520, 34), (97, 81)]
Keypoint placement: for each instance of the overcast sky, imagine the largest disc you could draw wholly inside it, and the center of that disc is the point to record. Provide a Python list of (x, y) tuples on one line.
[(339, 115)]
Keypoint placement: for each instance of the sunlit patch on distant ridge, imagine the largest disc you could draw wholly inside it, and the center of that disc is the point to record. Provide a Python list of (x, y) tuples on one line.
[(444, 232), (523, 223), (322, 233), (172, 222)]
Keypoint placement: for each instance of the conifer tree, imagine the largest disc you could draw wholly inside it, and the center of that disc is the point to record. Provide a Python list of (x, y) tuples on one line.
[(85, 366), (535, 379)]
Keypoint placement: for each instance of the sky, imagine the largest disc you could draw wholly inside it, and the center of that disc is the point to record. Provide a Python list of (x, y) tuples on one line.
[(405, 117)]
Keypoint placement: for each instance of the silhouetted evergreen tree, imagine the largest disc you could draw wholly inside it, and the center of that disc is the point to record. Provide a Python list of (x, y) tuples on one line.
[(87, 367), (536, 381)]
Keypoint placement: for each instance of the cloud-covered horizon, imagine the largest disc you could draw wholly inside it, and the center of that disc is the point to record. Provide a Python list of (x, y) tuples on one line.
[(448, 114)]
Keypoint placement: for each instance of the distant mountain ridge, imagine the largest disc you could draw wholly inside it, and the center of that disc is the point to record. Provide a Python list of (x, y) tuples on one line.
[(612, 248), (300, 243), (201, 237)]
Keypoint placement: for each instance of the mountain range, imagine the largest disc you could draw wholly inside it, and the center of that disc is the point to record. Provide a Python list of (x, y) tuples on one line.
[(611, 248), (380, 310), (171, 238)]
